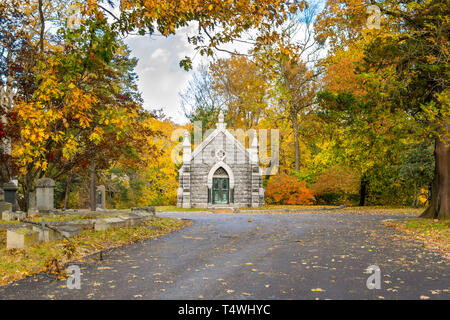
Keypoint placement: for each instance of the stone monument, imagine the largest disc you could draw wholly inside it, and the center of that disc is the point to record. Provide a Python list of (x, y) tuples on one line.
[(45, 195), (101, 197)]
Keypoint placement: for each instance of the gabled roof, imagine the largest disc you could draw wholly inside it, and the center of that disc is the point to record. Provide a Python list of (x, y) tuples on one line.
[(214, 134)]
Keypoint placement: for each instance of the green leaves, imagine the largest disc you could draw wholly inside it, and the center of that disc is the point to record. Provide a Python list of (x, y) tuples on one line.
[(186, 63)]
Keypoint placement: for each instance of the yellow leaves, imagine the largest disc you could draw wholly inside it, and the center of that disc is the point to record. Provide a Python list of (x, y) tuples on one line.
[(293, 8), (19, 152), (25, 132), (95, 137), (69, 148), (41, 164)]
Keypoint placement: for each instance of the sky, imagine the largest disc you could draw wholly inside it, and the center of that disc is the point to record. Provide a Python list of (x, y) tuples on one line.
[(160, 76), (161, 79)]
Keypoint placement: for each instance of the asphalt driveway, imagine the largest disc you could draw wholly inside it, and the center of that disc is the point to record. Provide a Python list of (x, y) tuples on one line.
[(257, 256)]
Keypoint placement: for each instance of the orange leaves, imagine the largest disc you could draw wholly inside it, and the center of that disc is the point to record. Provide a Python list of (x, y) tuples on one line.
[(337, 179), (234, 16), (340, 74), (285, 189), (244, 85)]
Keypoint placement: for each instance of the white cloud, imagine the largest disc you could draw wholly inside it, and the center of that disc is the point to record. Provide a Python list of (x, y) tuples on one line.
[(160, 76)]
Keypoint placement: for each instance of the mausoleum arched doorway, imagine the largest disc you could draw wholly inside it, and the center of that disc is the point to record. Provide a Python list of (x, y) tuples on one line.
[(220, 187)]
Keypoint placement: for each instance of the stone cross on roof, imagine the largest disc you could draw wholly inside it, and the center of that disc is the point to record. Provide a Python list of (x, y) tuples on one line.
[(221, 124)]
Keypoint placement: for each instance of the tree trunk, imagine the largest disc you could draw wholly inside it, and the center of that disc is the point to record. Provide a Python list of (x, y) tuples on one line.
[(67, 193), (296, 142), (440, 191), (27, 188), (42, 31), (363, 191), (92, 189)]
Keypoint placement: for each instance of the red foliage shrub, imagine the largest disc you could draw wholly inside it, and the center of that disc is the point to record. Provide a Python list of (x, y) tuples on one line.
[(336, 185), (284, 189)]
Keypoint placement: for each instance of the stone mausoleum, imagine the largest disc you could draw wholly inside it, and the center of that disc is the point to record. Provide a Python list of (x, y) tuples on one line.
[(220, 172)]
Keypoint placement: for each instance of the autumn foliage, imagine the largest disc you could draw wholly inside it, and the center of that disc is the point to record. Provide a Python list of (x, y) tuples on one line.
[(285, 189), (335, 184)]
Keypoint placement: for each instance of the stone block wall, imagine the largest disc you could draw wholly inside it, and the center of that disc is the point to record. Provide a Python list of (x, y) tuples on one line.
[(193, 191)]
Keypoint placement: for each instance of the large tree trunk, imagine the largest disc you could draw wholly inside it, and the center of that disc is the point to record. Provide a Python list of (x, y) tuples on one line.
[(440, 191), (92, 189), (363, 191)]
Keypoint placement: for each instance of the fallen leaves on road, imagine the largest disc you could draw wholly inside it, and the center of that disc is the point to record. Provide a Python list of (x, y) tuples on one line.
[(434, 235)]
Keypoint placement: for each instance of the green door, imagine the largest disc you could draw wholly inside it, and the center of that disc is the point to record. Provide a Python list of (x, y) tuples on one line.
[(220, 190)]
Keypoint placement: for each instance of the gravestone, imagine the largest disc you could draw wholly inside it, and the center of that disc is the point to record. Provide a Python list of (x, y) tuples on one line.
[(109, 223), (4, 206), (21, 238), (32, 207), (69, 231), (10, 190), (101, 197), (45, 194)]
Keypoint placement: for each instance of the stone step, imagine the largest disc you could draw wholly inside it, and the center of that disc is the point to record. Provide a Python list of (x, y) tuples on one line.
[(224, 210)]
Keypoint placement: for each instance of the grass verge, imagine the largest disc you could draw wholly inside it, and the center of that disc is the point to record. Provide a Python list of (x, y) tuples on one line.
[(374, 210), (434, 234), (50, 257), (63, 217)]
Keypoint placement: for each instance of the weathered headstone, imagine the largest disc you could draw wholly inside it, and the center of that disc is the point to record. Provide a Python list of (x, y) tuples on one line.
[(11, 216), (147, 213), (69, 231), (109, 223), (46, 234), (101, 197), (32, 207), (45, 195), (21, 238), (10, 190), (4, 206), (131, 220)]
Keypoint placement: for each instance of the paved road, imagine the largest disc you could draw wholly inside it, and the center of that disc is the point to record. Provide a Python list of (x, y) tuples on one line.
[(257, 256)]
